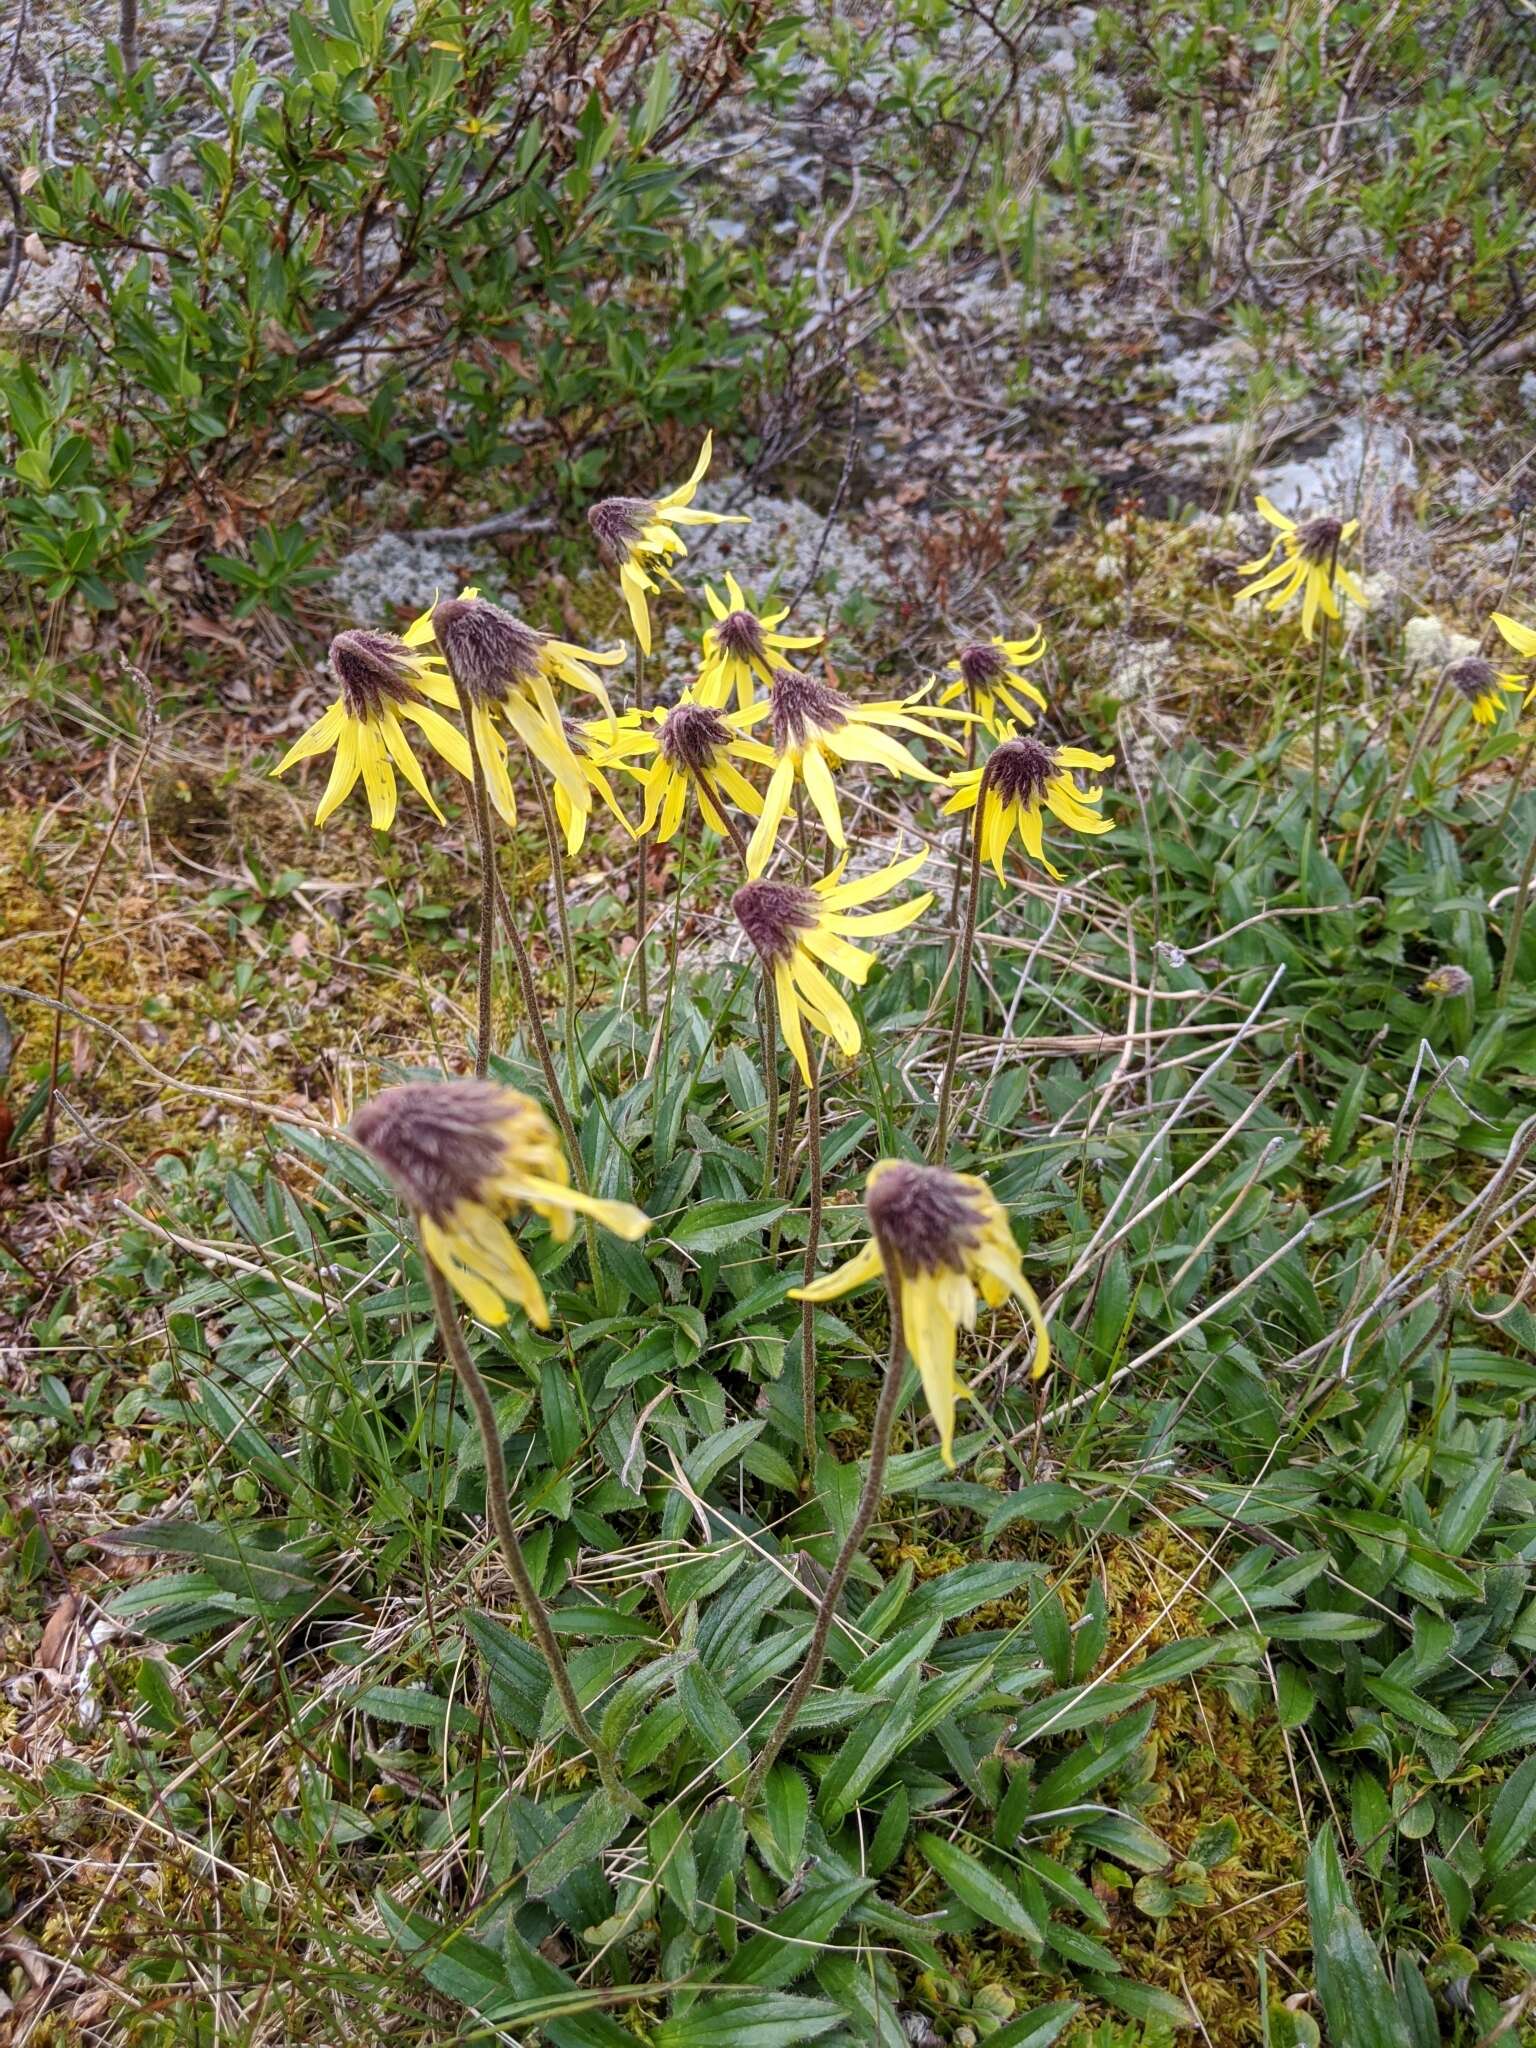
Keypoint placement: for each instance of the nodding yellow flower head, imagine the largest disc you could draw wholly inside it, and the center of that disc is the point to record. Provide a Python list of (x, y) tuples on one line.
[(501, 666), (1024, 778), (1308, 567), (1481, 685), (796, 932), (814, 724), (634, 535), (1523, 641), (589, 740), (689, 745), (1446, 981), (382, 681), (742, 647), (938, 1237), (991, 680), (467, 1156)]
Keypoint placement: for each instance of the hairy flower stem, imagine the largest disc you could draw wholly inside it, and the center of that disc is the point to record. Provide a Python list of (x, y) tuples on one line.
[(478, 1395), (963, 976), (1517, 921), (572, 1045), (768, 1029), (488, 887), (546, 1059), (812, 1247), (863, 1515), (1315, 795), (642, 881), (786, 1154), (1405, 776), (970, 762), (674, 934)]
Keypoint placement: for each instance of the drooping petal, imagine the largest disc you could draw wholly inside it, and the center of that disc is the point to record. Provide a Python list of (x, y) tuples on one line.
[(854, 1273), (400, 753), (345, 770), (443, 738), (789, 1020), (823, 793), (318, 738), (930, 1339), (775, 805), (1521, 638)]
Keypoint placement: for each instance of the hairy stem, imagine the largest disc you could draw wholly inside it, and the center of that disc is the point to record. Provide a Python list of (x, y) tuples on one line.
[(488, 890), (1314, 797), (864, 1514), (478, 1395), (768, 1030), (1400, 786), (812, 1247), (642, 881), (563, 920), (963, 976), (1517, 921)]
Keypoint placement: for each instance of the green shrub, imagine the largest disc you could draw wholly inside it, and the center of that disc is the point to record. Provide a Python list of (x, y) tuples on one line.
[(394, 232)]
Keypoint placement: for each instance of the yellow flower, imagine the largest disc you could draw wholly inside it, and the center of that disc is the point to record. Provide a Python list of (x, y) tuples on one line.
[(939, 1237), (689, 745), (382, 681), (467, 1156), (500, 666), (1481, 685), (793, 929), (1449, 980), (635, 534), (1025, 778), (1309, 566), (740, 645), (814, 724), (1523, 641), (990, 676), (588, 740)]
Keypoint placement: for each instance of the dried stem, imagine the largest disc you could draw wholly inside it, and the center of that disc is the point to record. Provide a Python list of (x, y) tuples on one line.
[(864, 1514), (963, 977), (478, 1395)]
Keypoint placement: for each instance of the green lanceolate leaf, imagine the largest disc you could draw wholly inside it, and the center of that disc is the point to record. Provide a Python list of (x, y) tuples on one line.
[(1352, 1984), (980, 1888)]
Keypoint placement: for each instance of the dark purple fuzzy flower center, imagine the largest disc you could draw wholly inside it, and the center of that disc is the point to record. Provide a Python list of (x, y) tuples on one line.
[(741, 634), (801, 707), (617, 523), (692, 737), (1473, 676), (439, 1141), (1019, 771), (489, 652), (925, 1218), (1318, 539), (373, 669), (773, 915), (982, 665)]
